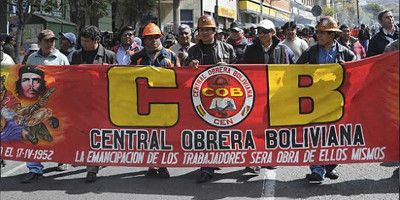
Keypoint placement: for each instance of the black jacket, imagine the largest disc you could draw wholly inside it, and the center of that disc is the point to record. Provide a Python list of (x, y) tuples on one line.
[(239, 49), (10, 50), (103, 56), (223, 52), (311, 55), (277, 54), (378, 43), (363, 34)]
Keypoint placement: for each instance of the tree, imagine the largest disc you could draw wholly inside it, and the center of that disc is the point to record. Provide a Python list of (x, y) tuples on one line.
[(132, 11), (373, 8), (327, 11), (347, 13), (24, 11), (82, 10)]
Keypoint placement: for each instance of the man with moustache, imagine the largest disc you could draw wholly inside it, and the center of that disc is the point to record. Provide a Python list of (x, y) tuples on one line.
[(327, 50), (127, 46), (209, 51), (154, 53), (184, 42), (47, 55)]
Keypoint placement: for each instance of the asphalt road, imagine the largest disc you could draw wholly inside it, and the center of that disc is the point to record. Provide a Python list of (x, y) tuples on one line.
[(375, 181)]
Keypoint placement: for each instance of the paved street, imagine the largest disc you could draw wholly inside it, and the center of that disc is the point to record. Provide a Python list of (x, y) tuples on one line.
[(357, 181)]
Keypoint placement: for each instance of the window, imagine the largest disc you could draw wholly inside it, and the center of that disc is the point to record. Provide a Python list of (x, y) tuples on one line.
[(187, 17)]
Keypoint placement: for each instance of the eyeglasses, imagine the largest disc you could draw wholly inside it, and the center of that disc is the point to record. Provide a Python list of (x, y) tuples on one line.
[(265, 31), (128, 34), (155, 37)]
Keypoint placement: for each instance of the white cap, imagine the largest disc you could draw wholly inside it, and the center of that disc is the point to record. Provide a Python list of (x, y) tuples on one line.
[(267, 24), (34, 47)]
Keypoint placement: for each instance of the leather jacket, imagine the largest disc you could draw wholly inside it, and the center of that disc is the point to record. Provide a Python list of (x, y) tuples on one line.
[(103, 56), (311, 55), (222, 52)]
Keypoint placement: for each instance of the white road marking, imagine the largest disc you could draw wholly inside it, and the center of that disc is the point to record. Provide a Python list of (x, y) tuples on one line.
[(268, 191), (7, 173)]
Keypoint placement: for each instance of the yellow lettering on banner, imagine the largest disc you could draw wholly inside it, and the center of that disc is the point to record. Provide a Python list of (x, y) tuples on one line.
[(236, 92), (285, 93), (123, 96)]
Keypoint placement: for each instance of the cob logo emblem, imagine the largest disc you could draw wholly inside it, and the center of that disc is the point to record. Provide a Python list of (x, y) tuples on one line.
[(222, 96)]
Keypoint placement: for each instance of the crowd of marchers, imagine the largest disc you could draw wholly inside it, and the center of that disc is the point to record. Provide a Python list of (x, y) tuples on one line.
[(328, 42)]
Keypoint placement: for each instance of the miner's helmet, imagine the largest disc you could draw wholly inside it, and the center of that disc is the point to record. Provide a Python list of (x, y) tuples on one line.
[(328, 24), (151, 29), (206, 21)]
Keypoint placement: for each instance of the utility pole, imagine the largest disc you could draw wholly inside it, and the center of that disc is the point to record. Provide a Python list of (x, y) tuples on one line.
[(176, 15), (358, 14), (261, 10), (159, 13), (216, 12)]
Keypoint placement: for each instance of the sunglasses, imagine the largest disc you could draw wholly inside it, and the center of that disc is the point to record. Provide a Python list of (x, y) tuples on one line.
[(128, 34), (265, 31), (152, 37)]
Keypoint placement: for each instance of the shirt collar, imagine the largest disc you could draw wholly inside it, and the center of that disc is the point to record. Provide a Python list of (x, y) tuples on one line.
[(333, 47), (386, 32), (39, 53)]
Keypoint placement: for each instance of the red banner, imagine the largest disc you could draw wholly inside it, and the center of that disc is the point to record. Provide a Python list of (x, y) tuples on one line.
[(236, 115)]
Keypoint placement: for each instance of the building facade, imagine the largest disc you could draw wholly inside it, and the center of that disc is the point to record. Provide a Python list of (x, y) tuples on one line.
[(301, 12)]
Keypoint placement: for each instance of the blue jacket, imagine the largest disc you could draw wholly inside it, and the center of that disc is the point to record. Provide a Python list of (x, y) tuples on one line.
[(166, 58)]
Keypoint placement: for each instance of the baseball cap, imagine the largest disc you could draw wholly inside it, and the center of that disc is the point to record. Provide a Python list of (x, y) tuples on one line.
[(169, 38), (267, 24), (70, 36), (46, 34), (219, 30), (236, 27)]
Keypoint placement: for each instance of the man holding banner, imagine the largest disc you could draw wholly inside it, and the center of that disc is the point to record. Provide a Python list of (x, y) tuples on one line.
[(155, 54), (47, 55), (327, 50), (257, 53), (92, 52), (209, 51)]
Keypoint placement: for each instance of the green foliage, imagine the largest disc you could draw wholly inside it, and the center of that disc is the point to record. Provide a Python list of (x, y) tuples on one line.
[(92, 8), (347, 13), (373, 7), (96, 8), (24, 15), (133, 10), (327, 11)]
